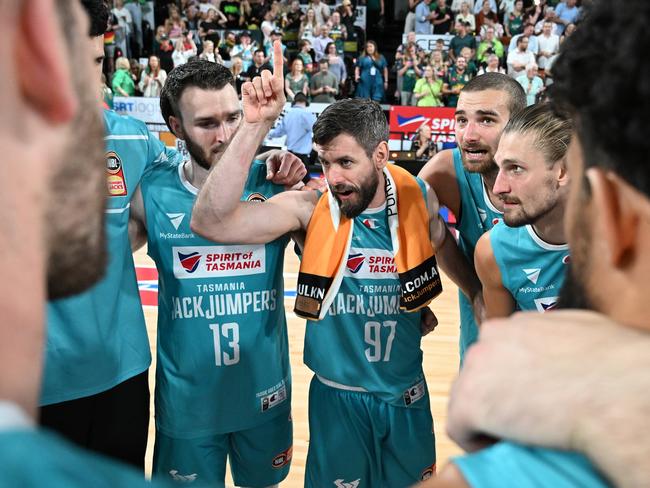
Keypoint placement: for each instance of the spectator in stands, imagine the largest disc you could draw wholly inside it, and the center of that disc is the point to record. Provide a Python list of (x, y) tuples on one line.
[(297, 124), (438, 64), (134, 8), (410, 39), (107, 94), (291, 21), (489, 45), (184, 49), (457, 78), (124, 27), (567, 32), (258, 65), (153, 78), (466, 17), (226, 45), (492, 66), (484, 13), (204, 6), (424, 17), (567, 13), (209, 28), (276, 35), (210, 54), (457, 5), (531, 83), (122, 82), (371, 73), (296, 81), (231, 10), (309, 27), (479, 7), (336, 64), (520, 58), (304, 53), (533, 44), (192, 20), (472, 67), (549, 45), (506, 7), (321, 10), (549, 16), (408, 70), (270, 23), (323, 85), (136, 73), (444, 20), (348, 18), (165, 52), (245, 49), (338, 31), (321, 42), (428, 89), (499, 31), (514, 22), (462, 39), (423, 146), (237, 70), (174, 25), (409, 21)]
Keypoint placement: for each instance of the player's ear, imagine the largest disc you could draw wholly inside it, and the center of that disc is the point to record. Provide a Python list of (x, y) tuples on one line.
[(176, 127), (41, 61), (381, 155), (562, 172)]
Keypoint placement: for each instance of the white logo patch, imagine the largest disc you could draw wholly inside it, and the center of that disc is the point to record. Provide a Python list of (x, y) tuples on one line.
[(176, 219), (482, 214), (193, 262), (546, 303), (377, 264), (183, 478), (532, 274), (342, 484)]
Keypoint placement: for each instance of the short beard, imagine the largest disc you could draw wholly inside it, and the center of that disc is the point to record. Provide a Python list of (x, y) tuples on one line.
[(522, 218), (366, 193), (486, 169), (196, 153)]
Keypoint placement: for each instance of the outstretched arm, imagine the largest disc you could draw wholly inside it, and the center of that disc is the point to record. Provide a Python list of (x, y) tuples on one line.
[(498, 300), (219, 214)]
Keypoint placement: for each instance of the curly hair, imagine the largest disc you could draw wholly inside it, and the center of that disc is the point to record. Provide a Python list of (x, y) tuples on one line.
[(605, 88)]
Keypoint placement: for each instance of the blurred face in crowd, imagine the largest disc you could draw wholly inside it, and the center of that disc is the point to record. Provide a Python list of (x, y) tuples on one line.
[(245, 40), (324, 31), (436, 56), (461, 64), (428, 73), (486, 6), (529, 29), (324, 66), (466, 53), (493, 62), (154, 63), (480, 119), (460, 29), (297, 67), (306, 47), (209, 119), (311, 15), (258, 58), (489, 34), (519, 6), (425, 133), (410, 37), (208, 47), (547, 28), (531, 71), (370, 49), (336, 18), (523, 44)]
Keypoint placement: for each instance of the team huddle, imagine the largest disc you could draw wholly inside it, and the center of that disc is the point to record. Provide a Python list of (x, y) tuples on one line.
[(370, 242)]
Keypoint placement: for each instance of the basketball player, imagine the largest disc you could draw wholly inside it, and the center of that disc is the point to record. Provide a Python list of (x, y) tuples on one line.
[(370, 422), (223, 385), (463, 178), (575, 379), (522, 261), (51, 220)]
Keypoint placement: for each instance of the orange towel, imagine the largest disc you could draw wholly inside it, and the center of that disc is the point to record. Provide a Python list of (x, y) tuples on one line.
[(328, 243)]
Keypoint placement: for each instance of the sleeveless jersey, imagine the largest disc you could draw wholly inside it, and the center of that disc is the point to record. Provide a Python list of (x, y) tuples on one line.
[(222, 359), (365, 341), (477, 216), (507, 465), (531, 270), (98, 339)]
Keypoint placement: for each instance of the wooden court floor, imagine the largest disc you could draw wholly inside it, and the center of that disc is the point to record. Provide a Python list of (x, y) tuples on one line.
[(440, 349)]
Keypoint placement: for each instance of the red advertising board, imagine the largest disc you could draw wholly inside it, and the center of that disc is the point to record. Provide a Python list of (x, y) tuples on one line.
[(409, 119)]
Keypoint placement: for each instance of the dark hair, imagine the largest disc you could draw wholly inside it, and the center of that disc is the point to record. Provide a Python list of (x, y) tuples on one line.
[(327, 47), (360, 118), (202, 74), (98, 14), (259, 51), (607, 92), (520, 39), (500, 82)]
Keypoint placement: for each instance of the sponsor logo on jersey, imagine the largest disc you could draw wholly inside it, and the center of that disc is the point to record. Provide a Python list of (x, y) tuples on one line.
[(378, 264), (414, 393), (194, 262), (428, 472), (256, 197), (183, 478), (482, 214), (115, 175), (495, 221), (566, 259), (274, 399), (347, 484), (282, 459), (532, 274), (176, 219), (189, 262), (355, 261), (370, 223), (545, 303)]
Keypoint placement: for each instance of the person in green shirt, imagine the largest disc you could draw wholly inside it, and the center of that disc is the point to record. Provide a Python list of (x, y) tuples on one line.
[(428, 89), (489, 43), (122, 83)]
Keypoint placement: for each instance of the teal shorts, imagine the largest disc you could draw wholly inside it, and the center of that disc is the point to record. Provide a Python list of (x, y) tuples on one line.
[(259, 457), (358, 440)]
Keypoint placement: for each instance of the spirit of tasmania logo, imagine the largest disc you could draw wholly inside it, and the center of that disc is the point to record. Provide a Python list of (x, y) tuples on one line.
[(195, 262), (378, 264)]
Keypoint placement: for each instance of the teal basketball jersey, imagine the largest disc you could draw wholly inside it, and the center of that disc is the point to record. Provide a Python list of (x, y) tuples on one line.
[(477, 216), (98, 339), (222, 359), (365, 341), (507, 465), (531, 270)]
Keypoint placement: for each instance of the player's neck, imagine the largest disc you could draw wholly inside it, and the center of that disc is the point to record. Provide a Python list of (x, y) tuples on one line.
[(195, 174), (380, 194), (551, 226), (489, 180)]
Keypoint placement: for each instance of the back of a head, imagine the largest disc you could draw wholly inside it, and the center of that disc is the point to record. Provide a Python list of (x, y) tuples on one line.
[(198, 73), (551, 131), (606, 93), (98, 13), (360, 118), (499, 82)]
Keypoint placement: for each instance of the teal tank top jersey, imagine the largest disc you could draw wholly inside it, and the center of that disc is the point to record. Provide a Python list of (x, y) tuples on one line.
[(507, 465), (477, 216), (365, 341), (222, 359), (531, 270), (98, 339)]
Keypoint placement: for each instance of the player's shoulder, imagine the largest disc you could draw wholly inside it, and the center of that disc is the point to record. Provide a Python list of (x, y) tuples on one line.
[(441, 162), (124, 125)]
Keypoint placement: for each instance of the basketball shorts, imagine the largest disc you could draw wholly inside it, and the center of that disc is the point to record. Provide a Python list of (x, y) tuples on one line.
[(259, 456), (358, 440)]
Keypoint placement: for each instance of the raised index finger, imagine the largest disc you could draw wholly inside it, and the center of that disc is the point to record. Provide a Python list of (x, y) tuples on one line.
[(278, 60)]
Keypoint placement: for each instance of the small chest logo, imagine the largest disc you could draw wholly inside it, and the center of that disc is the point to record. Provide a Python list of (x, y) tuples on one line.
[(370, 223), (355, 261), (189, 261), (176, 219), (115, 175)]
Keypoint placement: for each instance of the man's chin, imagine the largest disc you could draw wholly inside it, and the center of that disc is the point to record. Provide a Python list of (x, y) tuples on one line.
[(483, 165)]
